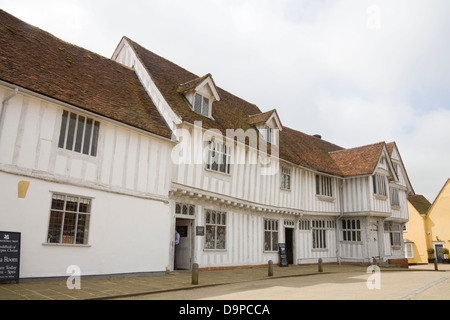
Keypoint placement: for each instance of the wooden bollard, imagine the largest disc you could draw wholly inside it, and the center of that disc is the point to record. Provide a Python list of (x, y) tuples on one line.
[(195, 271), (270, 272), (320, 265)]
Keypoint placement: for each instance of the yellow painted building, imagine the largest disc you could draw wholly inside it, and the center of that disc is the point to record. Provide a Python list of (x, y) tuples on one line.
[(428, 227), (414, 235), (438, 223)]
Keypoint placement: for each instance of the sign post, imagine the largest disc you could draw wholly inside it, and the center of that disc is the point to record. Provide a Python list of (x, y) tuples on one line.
[(9, 256)]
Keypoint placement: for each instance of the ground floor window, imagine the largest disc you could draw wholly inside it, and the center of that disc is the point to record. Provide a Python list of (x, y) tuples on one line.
[(409, 252), (395, 234), (319, 229), (270, 235), (216, 229), (351, 230), (69, 219)]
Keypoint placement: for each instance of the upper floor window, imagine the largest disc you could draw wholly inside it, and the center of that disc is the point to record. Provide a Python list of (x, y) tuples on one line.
[(395, 201), (324, 186), (285, 178), (201, 105), (379, 185), (219, 157), (78, 133)]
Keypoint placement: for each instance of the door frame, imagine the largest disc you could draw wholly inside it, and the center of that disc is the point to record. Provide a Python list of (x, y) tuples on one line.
[(190, 255), (290, 247)]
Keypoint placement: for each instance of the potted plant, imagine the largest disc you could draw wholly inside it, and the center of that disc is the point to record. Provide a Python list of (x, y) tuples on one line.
[(430, 252), (443, 252)]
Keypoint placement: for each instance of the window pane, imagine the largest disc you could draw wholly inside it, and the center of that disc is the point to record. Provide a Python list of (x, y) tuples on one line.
[(87, 136), (205, 109), (274, 241), (82, 229), (79, 139), (267, 241), (210, 237), (69, 228), (70, 134), (58, 202), (221, 231), (62, 133), (95, 139), (198, 103), (72, 204), (54, 227)]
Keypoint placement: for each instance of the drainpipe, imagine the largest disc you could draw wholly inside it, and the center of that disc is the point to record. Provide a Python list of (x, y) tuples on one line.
[(4, 104)]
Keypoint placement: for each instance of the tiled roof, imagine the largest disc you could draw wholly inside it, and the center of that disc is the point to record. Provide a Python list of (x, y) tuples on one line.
[(232, 112), (358, 161), (36, 60), (261, 117), (420, 203)]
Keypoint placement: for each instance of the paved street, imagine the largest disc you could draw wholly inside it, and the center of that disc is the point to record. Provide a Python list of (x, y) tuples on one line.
[(394, 285), (295, 282)]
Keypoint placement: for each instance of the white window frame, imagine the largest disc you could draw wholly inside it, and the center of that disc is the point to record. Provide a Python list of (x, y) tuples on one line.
[(409, 251), (79, 133), (215, 221), (271, 232), (61, 230), (219, 157), (380, 186), (351, 230), (395, 234), (285, 178), (394, 195), (324, 186), (319, 234), (204, 106)]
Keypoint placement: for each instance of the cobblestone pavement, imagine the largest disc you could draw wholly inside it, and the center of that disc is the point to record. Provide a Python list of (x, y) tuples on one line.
[(114, 287)]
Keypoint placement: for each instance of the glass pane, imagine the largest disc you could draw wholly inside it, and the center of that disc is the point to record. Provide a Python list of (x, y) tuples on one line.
[(208, 217), (62, 133), (69, 228), (267, 240), (274, 241), (70, 134), (79, 139), (95, 139), (210, 237), (72, 204), (205, 109), (198, 103), (85, 206), (82, 229), (221, 232), (54, 227), (178, 208), (87, 136), (191, 210), (58, 202)]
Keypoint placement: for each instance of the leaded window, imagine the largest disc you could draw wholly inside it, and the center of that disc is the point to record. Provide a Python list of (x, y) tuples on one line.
[(351, 230), (270, 235), (69, 219), (216, 229)]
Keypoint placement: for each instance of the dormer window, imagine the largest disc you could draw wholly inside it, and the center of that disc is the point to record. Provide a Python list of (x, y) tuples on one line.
[(201, 105), (268, 125), (200, 94)]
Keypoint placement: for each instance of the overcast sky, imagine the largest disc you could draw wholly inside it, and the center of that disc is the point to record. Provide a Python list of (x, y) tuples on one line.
[(355, 71)]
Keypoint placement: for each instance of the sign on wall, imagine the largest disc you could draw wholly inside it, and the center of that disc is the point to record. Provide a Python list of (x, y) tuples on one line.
[(9, 256)]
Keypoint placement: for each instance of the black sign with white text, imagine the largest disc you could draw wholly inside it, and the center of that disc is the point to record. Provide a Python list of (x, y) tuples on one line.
[(9, 256)]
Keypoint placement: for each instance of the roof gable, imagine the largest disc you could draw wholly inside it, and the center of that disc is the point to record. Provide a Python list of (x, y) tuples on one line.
[(201, 84), (269, 118)]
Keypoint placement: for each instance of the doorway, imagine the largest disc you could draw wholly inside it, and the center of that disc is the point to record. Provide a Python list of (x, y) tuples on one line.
[(183, 250), (289, 239), (373, 242), (437, 251)]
